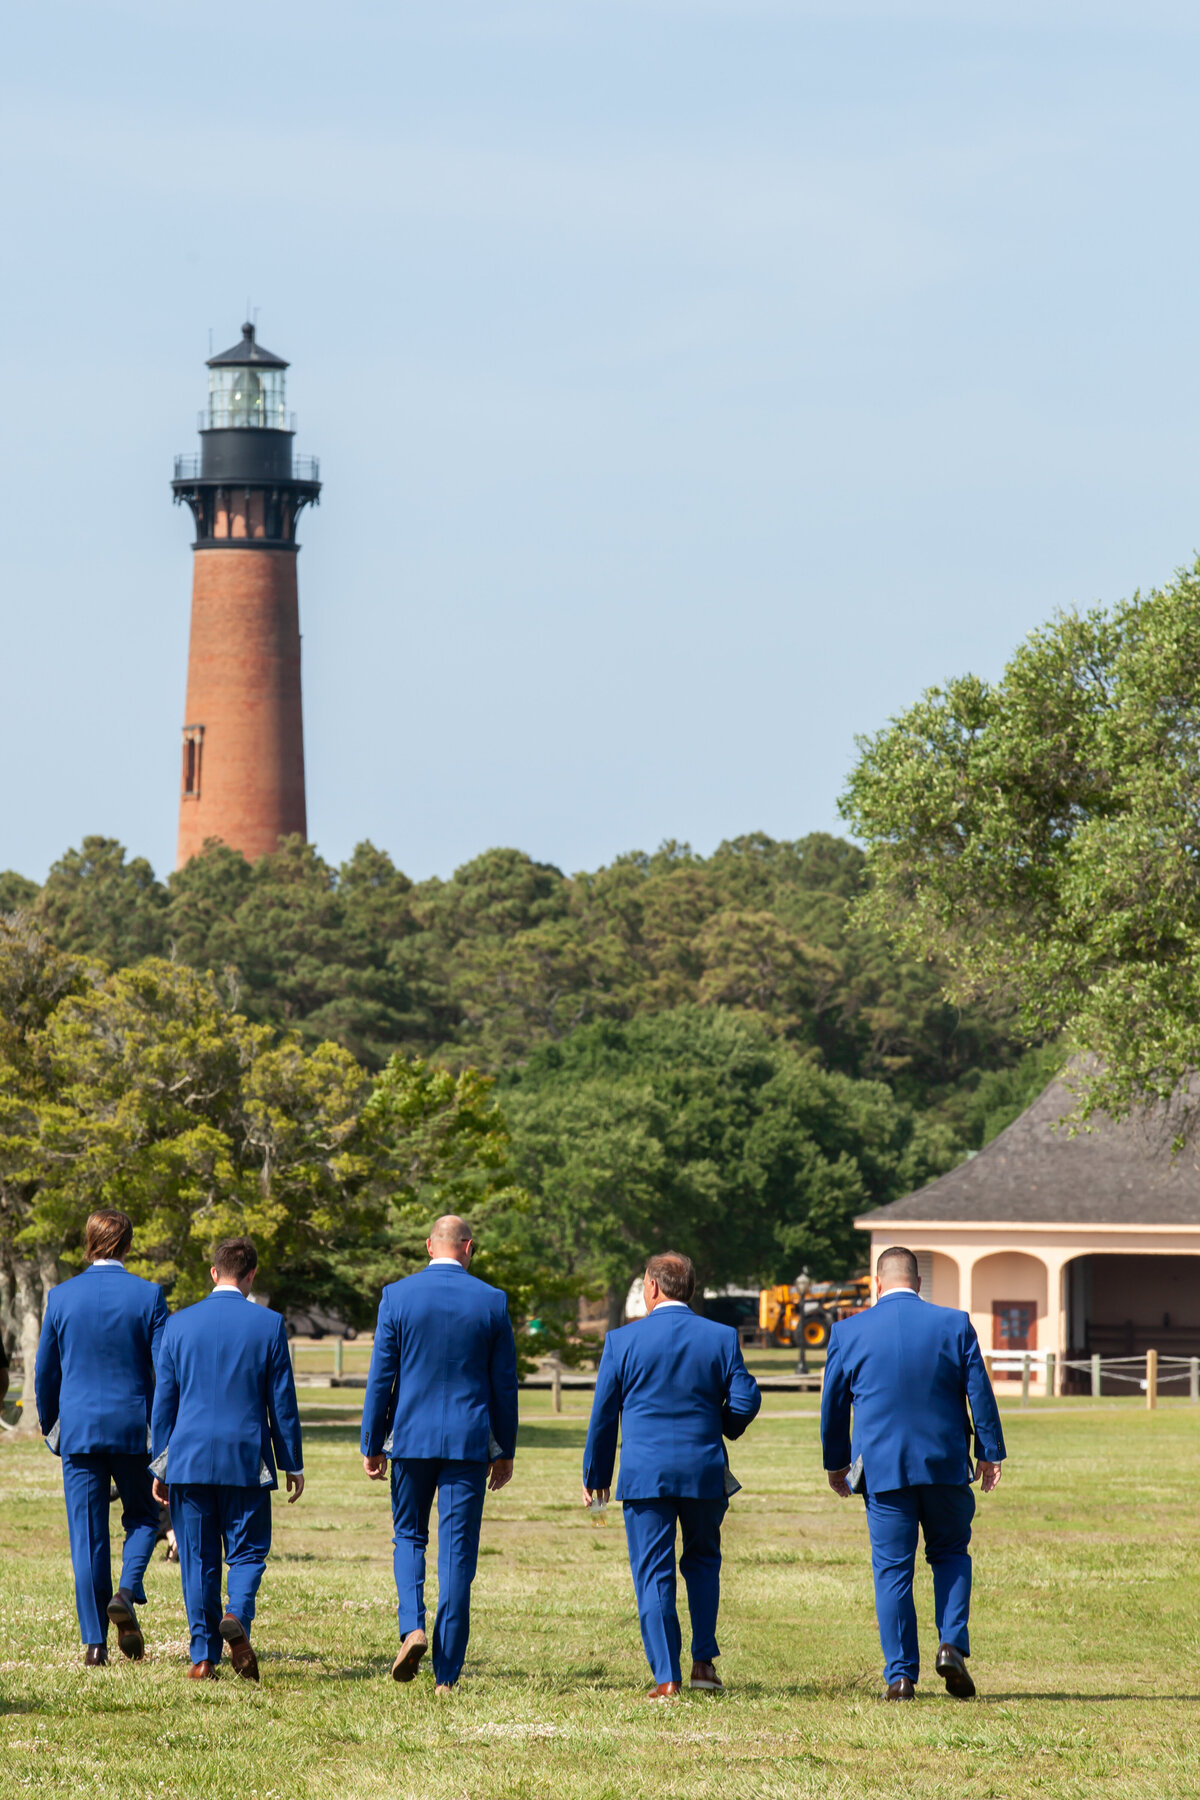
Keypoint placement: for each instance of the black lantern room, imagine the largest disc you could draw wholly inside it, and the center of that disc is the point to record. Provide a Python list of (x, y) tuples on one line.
[(247, 487)]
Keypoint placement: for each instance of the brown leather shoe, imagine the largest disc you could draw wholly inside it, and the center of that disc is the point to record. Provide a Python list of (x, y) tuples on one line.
[(408, 1657), (95, 1657), (952, 1667), (706, 1679), (202, 1671), (244, 1661), (666, 1690), (901, 1689), (130, 1641)]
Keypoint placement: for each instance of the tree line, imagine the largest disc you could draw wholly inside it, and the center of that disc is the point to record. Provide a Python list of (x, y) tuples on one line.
[(716, 1053)]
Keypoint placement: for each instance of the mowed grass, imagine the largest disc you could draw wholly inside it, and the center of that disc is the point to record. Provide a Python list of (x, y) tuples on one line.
[(1086, 1639)]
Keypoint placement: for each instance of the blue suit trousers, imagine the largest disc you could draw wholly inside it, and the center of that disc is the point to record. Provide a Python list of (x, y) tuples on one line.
[(86, 1477), (460, 1488), (212, 1522), (650, 1534), (943, 1514)]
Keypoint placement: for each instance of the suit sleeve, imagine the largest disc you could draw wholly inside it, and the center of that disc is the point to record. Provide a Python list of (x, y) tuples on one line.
[(47, 1370), (285, 1414), (166, 1409), (158, 1320), (378, 1407), (600, 1451), (742, 1397), (989, 1437), (502, 1386), (835, 1408)]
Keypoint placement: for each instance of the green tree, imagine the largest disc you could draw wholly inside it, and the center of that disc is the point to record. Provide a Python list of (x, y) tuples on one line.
[(35, 978), (320, 949), (699, 1129), (17, 892), (1039, 836), (95, 903)]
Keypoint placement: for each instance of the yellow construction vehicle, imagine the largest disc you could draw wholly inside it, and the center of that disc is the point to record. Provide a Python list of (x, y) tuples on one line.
[(804, 1312)]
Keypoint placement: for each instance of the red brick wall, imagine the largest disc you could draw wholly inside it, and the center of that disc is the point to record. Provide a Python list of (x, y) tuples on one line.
[(244, 689)]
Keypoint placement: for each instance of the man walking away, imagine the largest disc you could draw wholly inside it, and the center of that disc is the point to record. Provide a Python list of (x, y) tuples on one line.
[(675, 1384), (225, 1419), (94, 1384), (908, 1370), (441, 1401)]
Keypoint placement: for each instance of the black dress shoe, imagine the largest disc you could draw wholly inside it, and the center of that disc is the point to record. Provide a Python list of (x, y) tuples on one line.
[(901, 1689), (130, 1641), (95, 1657), (952, 1667)]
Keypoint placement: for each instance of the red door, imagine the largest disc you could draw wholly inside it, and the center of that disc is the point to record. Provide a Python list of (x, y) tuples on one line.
[(1014, 1329)]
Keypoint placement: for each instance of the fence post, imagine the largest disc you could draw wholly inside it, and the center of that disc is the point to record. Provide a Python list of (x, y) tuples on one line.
[(292, 1354), (1025, 1379), (337, 1358), (1194, 1380), (1095, 1378), (1051, 1365), (1152, 1378), (556, 1387)]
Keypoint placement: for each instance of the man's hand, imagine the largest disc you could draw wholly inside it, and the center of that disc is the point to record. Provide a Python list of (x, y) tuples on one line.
[(499, 1473), (838, 1482), (375, 1466), (595, 1493), (162, 1492), (989, 1476), (295, 1487)]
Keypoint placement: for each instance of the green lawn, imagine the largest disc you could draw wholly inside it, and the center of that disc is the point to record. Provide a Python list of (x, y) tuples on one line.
[(1086, 1638)]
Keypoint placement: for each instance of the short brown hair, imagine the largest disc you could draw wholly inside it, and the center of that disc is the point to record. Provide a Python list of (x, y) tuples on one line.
[(674, 1273), (108, 1233), (235, 1257)]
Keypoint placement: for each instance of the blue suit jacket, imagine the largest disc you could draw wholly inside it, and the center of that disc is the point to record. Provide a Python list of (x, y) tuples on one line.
[(908, 1370), (94, 1375), (443, 1380), (225, 1405), (676, 1384)]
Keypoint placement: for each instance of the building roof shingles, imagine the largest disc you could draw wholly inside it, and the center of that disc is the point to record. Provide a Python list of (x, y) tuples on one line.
[(1037, 1172)]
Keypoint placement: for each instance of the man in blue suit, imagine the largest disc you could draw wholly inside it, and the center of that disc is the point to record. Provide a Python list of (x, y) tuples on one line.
[(441, 1401), (225, 1419), (908, 1370), (676, 1385), (94, 1384)]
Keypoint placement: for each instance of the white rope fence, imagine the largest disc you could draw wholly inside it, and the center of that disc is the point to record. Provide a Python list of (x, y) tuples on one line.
[(1146, 1374)]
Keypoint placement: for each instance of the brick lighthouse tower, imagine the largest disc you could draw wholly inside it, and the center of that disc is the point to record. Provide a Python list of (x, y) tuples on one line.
[(243, 734)]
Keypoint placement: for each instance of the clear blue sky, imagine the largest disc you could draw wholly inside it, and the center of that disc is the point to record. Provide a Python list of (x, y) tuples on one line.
[(693, 382)]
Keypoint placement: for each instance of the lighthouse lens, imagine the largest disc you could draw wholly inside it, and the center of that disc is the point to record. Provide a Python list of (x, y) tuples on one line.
[(246, 399)]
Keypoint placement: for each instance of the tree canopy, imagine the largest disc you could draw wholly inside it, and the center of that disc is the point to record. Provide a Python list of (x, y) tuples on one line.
[(1041, 837), (510, 955), (698, 1129)]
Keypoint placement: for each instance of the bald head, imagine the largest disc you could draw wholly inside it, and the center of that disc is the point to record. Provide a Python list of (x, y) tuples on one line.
[(451, 1236)]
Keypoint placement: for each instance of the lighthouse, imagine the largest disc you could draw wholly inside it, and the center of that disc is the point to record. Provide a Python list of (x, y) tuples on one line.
[(242, 777)]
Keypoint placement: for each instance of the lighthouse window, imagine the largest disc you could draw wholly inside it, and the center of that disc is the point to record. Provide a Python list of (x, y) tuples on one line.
[(243, 397), (193, 739)]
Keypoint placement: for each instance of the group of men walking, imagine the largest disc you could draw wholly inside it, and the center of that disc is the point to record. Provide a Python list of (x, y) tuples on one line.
[(198, 1410)]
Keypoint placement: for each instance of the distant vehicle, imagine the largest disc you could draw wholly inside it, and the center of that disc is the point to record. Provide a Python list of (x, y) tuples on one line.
[(315, 1323), (805, 1312)]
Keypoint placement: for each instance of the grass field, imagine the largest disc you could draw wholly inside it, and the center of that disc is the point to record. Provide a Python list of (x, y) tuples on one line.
[(1086, 1638)]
